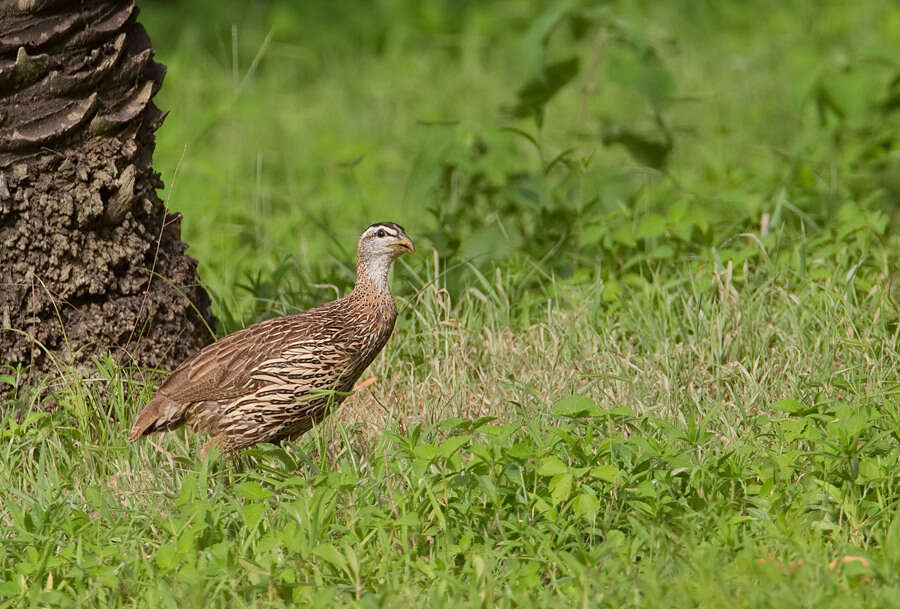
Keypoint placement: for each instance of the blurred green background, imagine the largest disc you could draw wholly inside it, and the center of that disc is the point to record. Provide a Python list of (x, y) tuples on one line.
[(589, 142)]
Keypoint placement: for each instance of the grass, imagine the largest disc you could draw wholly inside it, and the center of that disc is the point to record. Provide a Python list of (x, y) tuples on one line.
[(617, 379), (684, 461)]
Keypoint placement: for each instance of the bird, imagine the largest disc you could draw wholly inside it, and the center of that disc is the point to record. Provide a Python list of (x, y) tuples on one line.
[(278, 378)]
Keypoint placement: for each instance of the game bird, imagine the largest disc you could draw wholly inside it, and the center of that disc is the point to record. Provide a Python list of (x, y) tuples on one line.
[(276, 379)]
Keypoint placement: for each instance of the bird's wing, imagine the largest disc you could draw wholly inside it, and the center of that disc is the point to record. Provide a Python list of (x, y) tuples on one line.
[(227, 368)]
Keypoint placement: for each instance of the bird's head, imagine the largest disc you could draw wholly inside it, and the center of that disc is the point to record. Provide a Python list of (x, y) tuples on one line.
[(379, 245), (385, 239)]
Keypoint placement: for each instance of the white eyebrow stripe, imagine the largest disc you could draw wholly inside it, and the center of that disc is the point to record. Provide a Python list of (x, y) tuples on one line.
[(374, 229)]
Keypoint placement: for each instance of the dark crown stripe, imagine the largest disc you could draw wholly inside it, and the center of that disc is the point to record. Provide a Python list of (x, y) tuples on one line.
[(390, 225)]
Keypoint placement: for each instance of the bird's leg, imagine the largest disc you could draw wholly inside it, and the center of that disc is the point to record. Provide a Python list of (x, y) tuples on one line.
[(365, 383)]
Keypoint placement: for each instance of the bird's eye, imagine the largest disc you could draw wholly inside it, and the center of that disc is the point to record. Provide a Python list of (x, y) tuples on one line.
[(381, 234)]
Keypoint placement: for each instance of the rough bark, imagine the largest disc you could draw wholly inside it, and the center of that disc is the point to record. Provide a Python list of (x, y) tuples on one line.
[(90, 261)]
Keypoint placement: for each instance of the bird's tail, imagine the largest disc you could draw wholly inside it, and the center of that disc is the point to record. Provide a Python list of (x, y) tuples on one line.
[(159, 413)]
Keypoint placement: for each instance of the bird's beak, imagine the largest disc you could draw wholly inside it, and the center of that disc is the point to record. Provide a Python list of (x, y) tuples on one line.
[(404, 244)]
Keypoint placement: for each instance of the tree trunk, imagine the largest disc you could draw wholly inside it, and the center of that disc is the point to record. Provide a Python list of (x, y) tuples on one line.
[(90, 261)]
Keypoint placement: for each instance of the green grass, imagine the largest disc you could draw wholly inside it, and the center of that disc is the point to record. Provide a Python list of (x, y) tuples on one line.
[(617, 379)]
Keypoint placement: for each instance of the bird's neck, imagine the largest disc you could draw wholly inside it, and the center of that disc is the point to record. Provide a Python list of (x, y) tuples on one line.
[(372, 275)]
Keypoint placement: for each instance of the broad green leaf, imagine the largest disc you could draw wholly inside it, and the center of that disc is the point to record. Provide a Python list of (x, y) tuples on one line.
[(651, 225), (607, 473), (452, 444), (252, 490), (489, 488), (535, 94), (189, 490), (167, 557), (612, 290), (561, 487), (586, 505), (426, 451), (870, 470), (592, 234), (551, 466), (892, 542), (520, 450), (453, 423), (624, 234), (661, 252), (789, 405), (575, 406), (342, 480), (330, 554), (544, 508), (622, 412), (253, 514)]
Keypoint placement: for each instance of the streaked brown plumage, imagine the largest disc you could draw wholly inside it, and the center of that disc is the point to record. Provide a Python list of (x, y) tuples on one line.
[(275, 379)]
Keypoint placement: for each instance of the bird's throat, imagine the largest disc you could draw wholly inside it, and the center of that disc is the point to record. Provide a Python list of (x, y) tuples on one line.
[(373, 274)]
